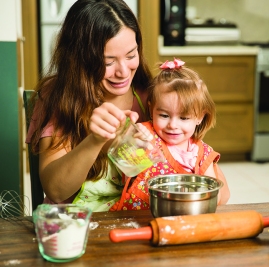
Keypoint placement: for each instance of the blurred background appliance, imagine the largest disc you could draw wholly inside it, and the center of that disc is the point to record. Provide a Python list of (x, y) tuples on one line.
[(261, 127), (179, 26), (52, 14), (173, 22), (210, 32)]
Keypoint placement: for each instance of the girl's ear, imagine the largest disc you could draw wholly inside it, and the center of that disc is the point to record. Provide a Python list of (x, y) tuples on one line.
[(199, 120)]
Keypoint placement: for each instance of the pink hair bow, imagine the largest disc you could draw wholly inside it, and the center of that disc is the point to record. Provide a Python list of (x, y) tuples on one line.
[(176, 64)]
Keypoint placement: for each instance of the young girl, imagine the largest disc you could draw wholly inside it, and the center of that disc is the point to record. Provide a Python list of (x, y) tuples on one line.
[(182, 111)]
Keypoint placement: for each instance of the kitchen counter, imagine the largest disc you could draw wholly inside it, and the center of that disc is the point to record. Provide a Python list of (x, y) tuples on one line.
[(207, 50)]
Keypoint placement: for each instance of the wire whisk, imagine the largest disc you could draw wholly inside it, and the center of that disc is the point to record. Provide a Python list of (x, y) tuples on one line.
[(13, 206)]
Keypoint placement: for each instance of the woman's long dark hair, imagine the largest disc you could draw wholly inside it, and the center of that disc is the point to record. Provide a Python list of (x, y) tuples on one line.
[(72, 88)]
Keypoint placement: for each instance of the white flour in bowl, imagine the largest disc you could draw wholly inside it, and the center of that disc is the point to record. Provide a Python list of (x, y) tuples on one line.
[(67, 243)]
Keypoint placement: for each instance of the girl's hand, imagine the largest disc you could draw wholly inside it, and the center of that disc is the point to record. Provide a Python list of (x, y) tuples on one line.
[(144, 133), (107, 119), (143, 136)]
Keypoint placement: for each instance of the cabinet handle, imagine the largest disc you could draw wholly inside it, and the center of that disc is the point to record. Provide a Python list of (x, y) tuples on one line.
[(209, 60)]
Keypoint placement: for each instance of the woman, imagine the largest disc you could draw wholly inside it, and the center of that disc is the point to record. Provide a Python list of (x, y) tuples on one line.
[(97, 77)]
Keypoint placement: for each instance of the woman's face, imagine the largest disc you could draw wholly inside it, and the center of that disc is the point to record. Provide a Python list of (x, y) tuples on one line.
[(122, 60)]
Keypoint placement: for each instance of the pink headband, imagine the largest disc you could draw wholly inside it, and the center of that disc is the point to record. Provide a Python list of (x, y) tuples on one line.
[(176, 64)]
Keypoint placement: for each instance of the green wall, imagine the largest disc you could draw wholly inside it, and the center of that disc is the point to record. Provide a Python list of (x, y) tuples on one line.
[(9, 119)]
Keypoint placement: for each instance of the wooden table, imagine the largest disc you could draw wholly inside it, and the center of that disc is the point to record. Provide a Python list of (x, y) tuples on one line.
[(18, 245)]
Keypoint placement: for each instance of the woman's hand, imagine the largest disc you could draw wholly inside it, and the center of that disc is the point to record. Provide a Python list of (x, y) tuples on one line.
[(107, 119)]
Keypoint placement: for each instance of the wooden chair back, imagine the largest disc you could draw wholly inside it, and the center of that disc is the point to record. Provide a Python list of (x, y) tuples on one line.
[(36, 187)]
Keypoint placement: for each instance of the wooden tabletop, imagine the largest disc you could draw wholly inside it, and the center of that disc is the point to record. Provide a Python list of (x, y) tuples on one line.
[(18, 245)]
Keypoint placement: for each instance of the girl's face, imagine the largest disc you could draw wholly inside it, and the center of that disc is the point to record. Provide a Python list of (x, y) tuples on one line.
[(122, 60), (169, 124)]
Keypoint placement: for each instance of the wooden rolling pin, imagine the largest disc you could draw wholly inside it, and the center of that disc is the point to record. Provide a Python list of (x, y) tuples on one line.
[(185, 229)]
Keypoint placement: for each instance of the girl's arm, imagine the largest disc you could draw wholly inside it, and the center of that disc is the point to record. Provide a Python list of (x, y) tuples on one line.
[(224, 193)]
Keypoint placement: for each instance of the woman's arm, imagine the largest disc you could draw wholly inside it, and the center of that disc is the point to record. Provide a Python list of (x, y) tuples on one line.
[(62, 173)]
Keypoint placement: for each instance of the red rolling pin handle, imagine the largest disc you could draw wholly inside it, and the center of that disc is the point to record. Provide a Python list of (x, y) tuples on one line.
[(265, 221), (119, 235)]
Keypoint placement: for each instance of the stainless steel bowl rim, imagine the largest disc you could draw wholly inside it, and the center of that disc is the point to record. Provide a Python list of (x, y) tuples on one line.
[(155, 189)]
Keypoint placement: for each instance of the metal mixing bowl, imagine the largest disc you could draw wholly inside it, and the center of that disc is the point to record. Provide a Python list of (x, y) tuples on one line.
[(183, 194)]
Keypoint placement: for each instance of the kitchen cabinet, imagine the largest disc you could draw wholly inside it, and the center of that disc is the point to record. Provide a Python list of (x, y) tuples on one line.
[(228, 71), (233, 133), (229, 78), (30, 48), (148, 17)]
